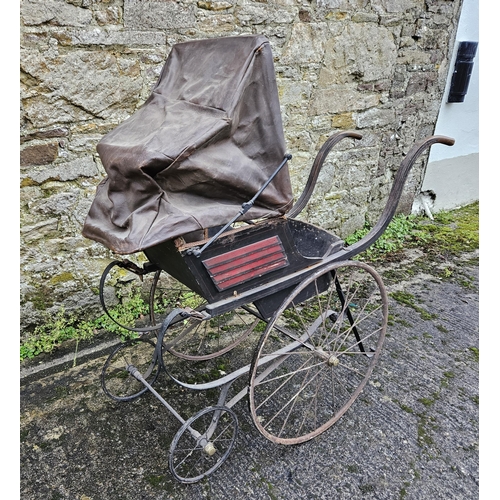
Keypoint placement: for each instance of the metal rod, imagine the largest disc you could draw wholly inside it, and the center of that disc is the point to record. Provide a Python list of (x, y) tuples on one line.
[(345, 307), (137, 374), (282, 164), (276, 357), (244, 209)]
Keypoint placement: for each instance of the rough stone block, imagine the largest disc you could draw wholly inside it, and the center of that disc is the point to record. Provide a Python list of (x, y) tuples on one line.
[(45, 134), (159, 14), (306, 45), (221, 24), (342, 4), (343, 121), (414, 58), (294, 93), (108, 16), (341, 99), (419, 82), (365, 17), (105, 36), (365, 50), (39, 154), (39, 230), (44, 111), (56, 12), (92, 81), (81, 167), (383, 6), (210, 5), (376, 117), (255, 13), (57, 204)]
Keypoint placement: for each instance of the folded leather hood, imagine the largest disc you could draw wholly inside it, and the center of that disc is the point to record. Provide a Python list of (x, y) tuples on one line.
[(207, 138)]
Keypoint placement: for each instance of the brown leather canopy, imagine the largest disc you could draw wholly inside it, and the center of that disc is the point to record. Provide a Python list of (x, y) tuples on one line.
[(204, 142)]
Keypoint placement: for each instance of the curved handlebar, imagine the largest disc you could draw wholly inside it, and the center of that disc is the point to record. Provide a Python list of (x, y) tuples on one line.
[(442, 139), (396, 191), (316, 168)]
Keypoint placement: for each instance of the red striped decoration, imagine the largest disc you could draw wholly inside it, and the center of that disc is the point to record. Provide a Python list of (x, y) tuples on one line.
[(243, 264)]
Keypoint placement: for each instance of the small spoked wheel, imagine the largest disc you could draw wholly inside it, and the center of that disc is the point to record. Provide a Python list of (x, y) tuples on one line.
[(203, 443), (318, 352), (117, 382)]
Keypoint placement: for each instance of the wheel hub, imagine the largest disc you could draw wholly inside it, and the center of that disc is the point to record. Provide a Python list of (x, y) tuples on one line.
[(333, 360), (209, 449)]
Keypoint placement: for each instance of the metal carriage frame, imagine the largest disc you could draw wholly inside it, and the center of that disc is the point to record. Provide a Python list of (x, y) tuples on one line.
[(325, 318)]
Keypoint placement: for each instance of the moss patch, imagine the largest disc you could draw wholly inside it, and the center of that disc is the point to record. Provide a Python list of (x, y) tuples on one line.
[(61, 278), (408, 300), (475, 353), (449, 234), (40, 298)]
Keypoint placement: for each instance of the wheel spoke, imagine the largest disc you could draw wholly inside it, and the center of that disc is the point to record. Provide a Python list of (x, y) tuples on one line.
[(116, 380), (283, 384), (196, 339), (307, 368), (356, 344), (318, 385), (356, 323), (190, 463), (291, 401), (309, 388), (211, 337)]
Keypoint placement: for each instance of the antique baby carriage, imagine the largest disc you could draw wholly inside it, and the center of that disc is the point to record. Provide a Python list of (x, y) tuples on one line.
[(197, 181)]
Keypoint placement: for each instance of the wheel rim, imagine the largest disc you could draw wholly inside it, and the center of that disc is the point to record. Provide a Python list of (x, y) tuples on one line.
[(201, 340), (194, 457), (116, 380), (321, 368), (195, 338)]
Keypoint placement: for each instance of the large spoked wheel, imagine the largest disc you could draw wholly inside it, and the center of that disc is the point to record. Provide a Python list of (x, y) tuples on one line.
[(318, 352), (116, 380), (197, 338), (203, 443)]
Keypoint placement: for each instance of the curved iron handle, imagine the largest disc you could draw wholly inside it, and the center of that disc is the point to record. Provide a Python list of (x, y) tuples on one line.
[(396, 191), (316, 168)]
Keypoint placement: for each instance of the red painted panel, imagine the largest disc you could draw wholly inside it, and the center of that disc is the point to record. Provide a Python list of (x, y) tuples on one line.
[(253, 274), (269, 242), (246, 263), (247, 260)]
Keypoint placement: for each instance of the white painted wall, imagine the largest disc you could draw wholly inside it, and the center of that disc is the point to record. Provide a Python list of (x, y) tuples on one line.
[(453, 172)]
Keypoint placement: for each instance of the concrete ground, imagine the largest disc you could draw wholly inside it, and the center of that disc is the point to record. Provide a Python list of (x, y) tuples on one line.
[(412, 434)]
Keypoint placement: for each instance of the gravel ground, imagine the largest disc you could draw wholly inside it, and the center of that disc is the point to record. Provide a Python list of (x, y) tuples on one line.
[(412, 434)]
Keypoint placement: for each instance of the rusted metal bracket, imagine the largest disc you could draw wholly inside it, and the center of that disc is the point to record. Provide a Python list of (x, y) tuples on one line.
[(148, 267)]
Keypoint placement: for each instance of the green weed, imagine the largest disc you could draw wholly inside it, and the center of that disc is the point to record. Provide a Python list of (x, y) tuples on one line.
[(450, 233), (394, 238), (62, 327), (53, 332)]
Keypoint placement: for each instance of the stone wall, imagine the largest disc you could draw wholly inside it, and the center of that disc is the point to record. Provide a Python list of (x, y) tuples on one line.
[(378, 66)]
